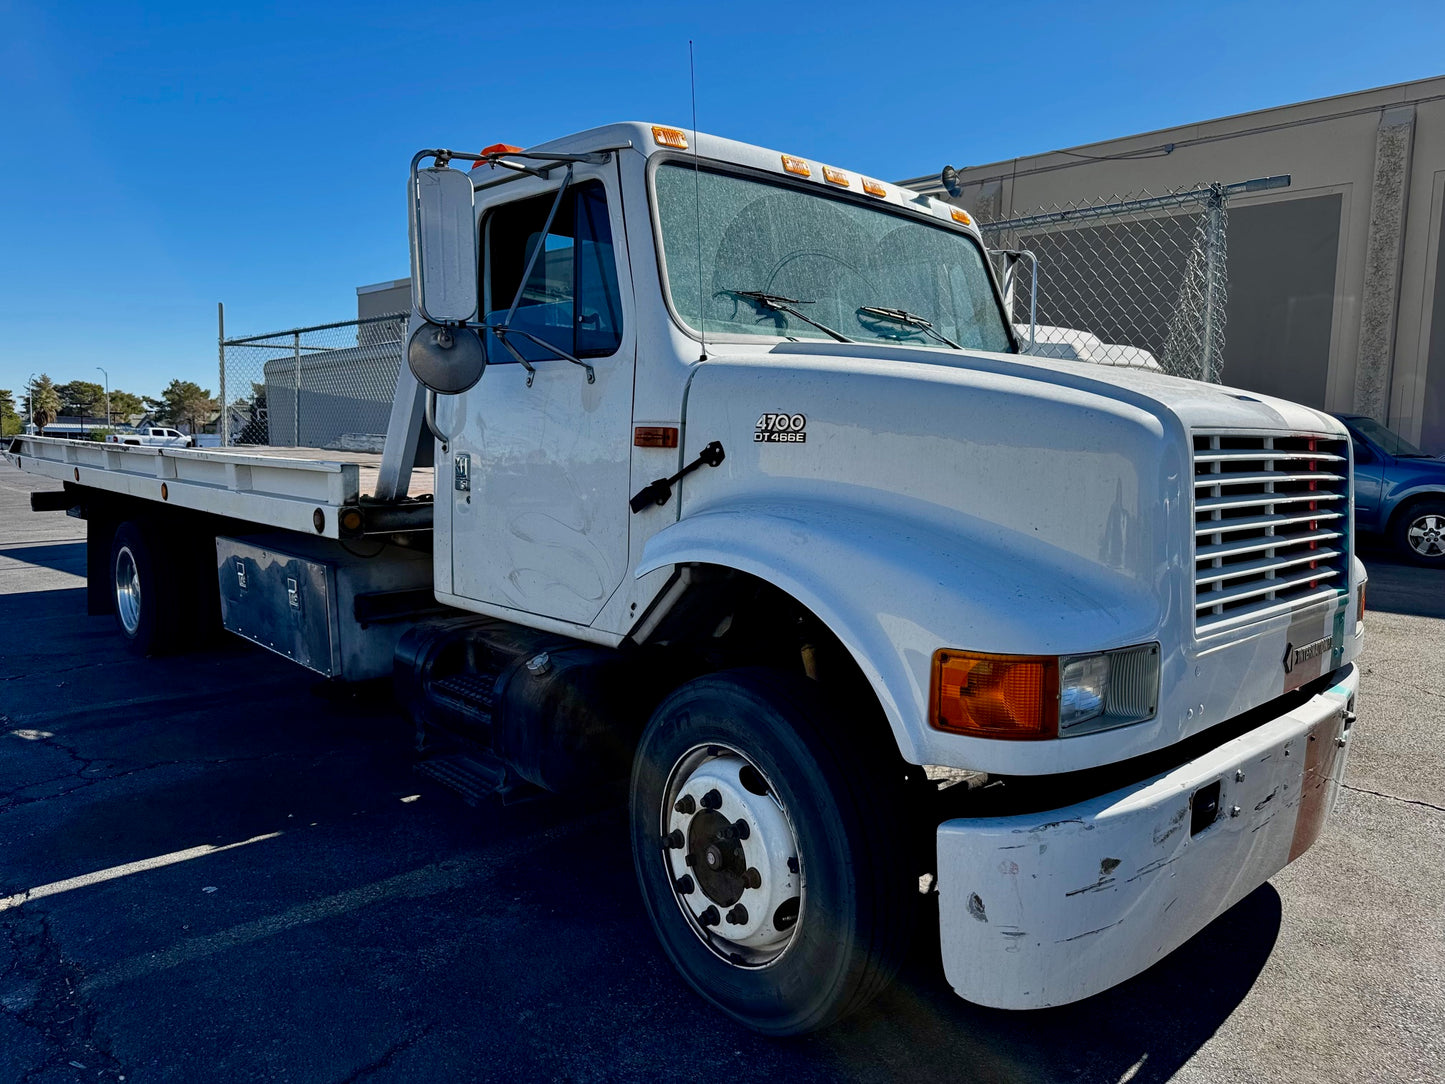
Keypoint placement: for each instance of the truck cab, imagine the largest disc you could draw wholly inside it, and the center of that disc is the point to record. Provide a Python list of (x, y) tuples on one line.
[(1026, 568)]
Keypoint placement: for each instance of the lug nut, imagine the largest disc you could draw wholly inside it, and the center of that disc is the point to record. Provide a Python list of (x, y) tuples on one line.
[(738, 916), (793, 864), (674, 839), (711, 800), (685, 805), (742, 829), (752, 878), (684, 885), (709, 917)]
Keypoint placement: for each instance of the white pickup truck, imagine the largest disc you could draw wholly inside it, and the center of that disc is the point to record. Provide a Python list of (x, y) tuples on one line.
[(745, 498), (153, 436)]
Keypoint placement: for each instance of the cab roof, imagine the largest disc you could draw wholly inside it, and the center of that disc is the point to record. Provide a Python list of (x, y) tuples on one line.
[(657, 140)]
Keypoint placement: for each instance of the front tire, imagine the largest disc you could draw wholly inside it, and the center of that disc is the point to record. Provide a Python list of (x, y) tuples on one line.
[(769, 840), (1420, 533)]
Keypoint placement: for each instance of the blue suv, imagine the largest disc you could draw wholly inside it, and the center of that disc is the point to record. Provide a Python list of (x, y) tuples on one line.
[(1399, 490)]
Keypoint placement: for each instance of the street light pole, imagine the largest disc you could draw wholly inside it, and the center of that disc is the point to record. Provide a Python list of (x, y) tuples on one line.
[(107, 394), (30, 397)]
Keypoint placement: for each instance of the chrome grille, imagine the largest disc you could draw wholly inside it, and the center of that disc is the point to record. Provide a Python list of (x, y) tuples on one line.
[(1271, 523)]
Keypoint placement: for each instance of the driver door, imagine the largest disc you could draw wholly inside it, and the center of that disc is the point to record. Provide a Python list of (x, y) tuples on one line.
[(543, 528)]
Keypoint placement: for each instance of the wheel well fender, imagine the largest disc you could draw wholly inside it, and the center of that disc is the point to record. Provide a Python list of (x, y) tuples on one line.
[(894, 591), (1404, 505)]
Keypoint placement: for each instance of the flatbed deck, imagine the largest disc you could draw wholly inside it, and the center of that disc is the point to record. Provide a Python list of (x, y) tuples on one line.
[(277, 487)]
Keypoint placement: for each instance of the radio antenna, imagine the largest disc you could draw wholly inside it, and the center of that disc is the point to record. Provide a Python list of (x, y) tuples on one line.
[(697, 208)]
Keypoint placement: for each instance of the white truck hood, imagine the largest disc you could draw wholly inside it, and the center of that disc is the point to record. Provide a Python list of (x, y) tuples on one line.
[(930, 499)]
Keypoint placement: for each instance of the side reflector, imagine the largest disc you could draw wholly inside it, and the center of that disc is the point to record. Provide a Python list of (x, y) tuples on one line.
[(963, 216), (836, 176), (797, 165), (873, 188), (654, 436), (669, 137), (994, 696)]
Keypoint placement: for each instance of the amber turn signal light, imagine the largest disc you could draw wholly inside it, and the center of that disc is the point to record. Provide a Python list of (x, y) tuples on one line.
[(654, 436), (994, 696)]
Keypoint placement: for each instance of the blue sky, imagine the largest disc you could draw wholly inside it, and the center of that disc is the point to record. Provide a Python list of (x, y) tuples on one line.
[(159, 158)]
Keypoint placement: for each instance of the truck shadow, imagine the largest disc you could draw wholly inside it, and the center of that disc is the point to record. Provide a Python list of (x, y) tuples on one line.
[(60, 556), (1143, 1030), (375, 919)]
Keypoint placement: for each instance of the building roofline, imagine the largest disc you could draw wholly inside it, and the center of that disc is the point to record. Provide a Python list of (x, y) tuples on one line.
[(1205, 131), (377, 287)]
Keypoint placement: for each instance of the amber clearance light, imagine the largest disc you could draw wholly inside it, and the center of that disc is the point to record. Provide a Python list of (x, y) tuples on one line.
[(995, 696)]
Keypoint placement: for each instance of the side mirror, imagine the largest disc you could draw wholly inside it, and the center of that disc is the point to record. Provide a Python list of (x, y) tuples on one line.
[(448, 360), (443, 245)]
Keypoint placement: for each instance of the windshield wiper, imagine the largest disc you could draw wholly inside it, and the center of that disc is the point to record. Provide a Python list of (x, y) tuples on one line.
[(903, 316), (779, 303)]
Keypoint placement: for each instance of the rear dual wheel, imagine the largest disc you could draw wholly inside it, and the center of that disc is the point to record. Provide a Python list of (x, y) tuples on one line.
[(768, 841), (145, 589)]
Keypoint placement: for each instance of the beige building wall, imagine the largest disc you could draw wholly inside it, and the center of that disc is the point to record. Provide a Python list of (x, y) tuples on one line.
[(1381, 155)]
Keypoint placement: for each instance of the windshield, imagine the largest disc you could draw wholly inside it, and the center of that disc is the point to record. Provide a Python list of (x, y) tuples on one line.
[(827, 258), (1387, 439)]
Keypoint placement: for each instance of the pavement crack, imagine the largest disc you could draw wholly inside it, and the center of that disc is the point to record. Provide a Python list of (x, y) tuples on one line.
[(388, 1055), (52, 673), (1394, 797), (53, 1008), (84, 782)]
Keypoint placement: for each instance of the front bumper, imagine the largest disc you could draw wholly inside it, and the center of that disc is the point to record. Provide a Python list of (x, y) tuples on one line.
[(1047, 908)]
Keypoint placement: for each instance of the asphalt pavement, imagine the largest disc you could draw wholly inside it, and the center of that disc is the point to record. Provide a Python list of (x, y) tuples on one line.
[(212, 871)]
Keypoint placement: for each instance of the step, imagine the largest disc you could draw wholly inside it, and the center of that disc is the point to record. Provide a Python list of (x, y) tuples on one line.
[(474, 776)]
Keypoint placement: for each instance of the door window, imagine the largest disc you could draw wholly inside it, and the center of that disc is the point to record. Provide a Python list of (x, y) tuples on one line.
[(571, 298)]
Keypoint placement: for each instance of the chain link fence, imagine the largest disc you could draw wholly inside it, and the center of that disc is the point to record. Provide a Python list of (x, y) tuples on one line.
[(328, 386), (1138, 281)]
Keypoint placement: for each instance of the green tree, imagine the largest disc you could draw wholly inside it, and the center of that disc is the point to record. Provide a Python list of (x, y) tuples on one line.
[(10, 423), (46, 407), (184, 403), (123, 404), (82, 398)]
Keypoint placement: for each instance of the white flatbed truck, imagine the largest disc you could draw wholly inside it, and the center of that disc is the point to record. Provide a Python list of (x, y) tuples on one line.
[(746, 499)]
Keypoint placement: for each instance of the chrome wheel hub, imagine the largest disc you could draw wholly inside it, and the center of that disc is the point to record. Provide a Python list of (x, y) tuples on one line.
[(732, 855), (1426, 535), (127, 590)]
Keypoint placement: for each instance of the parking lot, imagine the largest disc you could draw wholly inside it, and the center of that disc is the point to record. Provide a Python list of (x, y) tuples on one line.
[(212, 870)]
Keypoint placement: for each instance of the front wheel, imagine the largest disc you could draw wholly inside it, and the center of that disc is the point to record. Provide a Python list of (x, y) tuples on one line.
[(1420, 533), (768, 840)]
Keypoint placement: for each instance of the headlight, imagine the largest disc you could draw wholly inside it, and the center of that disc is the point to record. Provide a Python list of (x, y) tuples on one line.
[(1030, 697)]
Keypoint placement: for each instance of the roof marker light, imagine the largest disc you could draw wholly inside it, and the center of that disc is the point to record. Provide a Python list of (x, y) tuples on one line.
[(496, 148), (836, 176), (873, 188), (797, 165), (960, 215), (669, 137)]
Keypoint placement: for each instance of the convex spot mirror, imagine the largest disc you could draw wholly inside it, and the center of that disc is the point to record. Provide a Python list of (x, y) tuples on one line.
[(443, 246), (448, 360)]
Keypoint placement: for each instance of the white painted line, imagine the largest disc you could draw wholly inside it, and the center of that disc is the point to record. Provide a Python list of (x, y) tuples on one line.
[(100, 876)]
